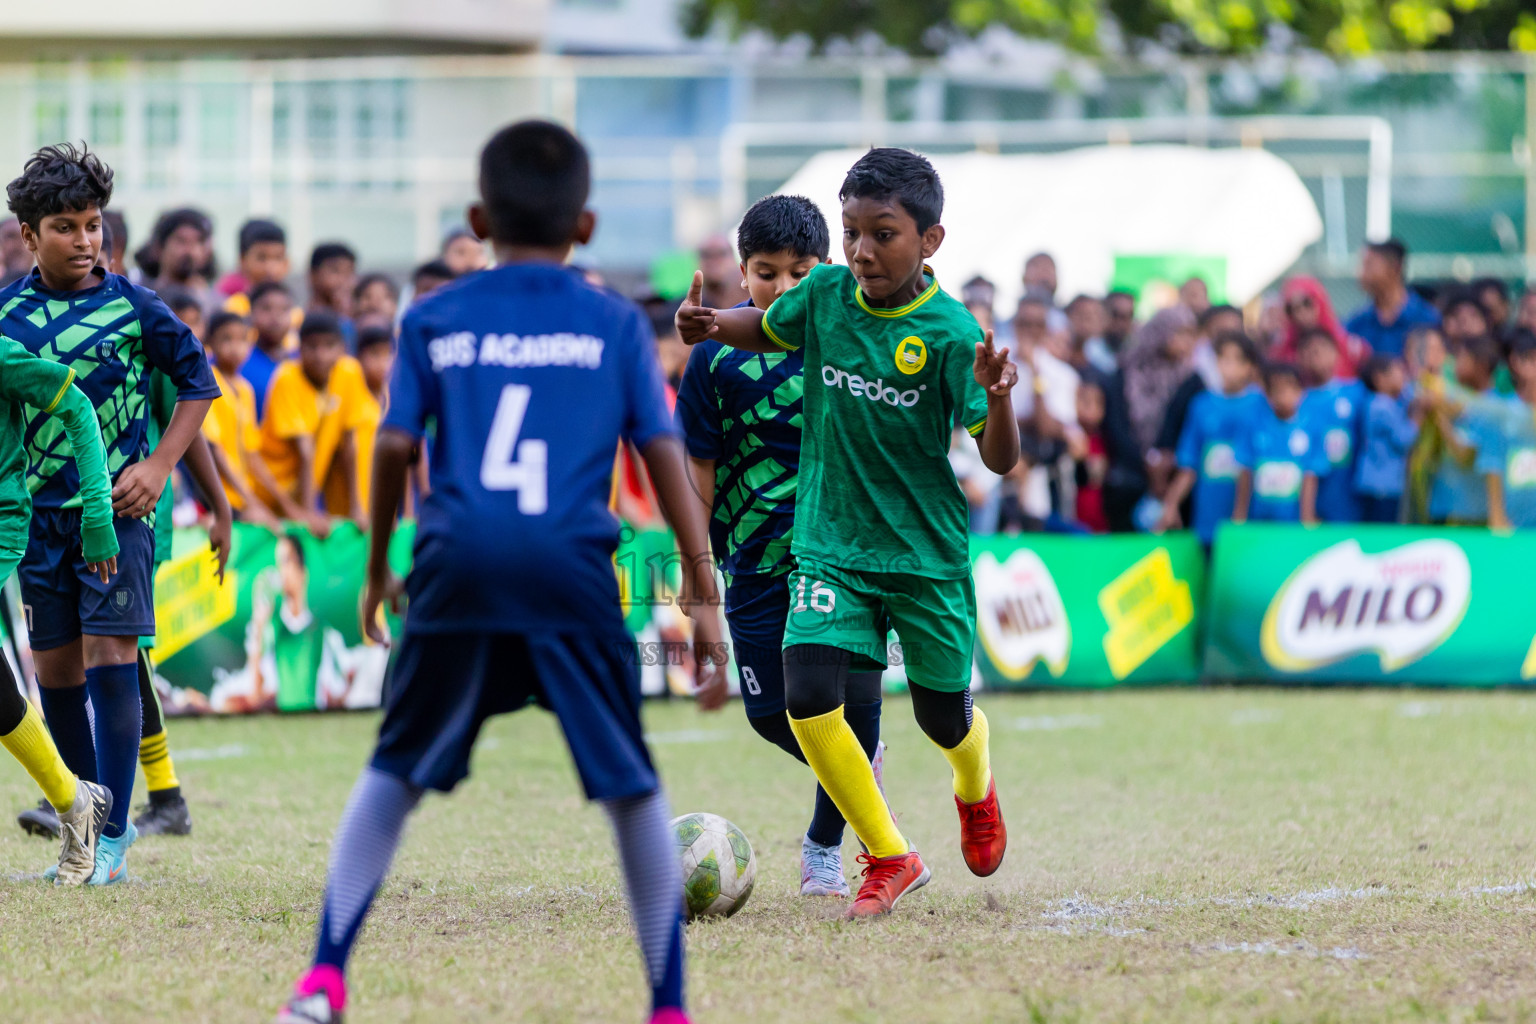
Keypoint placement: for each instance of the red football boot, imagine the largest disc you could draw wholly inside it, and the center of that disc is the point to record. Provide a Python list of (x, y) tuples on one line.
[(669, 1015), (983, 836), (886, 880)]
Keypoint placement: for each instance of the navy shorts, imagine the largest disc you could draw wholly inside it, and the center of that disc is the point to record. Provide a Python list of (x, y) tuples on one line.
[(445, 686), (62, 599), (756, 609)]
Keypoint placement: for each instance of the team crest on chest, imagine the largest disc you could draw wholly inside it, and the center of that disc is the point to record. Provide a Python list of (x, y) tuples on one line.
[(911, 355)]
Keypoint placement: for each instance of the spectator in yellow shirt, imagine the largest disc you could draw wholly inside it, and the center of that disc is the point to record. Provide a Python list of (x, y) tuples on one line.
[(306, 431), (231, 426), (365, 407)]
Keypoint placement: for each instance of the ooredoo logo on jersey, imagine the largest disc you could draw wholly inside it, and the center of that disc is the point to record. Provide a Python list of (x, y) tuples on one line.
[(876, 390)]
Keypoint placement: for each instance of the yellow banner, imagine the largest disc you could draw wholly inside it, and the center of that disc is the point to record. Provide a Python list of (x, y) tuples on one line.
[(1146, 606), (189, 601)]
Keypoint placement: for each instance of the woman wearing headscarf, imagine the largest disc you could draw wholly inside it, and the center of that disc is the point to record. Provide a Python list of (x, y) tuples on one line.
[(1156, 361), (1307, 306)]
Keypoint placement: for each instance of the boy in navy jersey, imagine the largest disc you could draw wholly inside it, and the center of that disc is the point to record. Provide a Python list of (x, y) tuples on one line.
[(532, 378), (741, 415), (112, 334)]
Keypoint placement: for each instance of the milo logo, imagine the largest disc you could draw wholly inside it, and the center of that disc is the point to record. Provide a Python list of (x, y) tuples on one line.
[(1020, 617), (1400, 604)]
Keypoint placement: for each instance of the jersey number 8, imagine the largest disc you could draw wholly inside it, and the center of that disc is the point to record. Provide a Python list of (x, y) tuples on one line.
[(528, 475)]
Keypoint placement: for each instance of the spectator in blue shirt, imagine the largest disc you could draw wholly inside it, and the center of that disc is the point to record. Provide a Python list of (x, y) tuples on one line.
[(1507, 462), (1206, 453), (1467, 415), (1386, 438), (1334, 410), (1280, 460), (1393, 310)]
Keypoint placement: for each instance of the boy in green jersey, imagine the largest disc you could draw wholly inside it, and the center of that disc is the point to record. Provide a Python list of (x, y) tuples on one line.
[(26, 380), (891, 364)]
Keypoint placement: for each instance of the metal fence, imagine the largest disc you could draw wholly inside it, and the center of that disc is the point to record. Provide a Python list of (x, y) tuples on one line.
[(380, 151)]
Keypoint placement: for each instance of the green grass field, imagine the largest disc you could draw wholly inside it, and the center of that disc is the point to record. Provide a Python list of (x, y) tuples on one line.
[(1225, 855)]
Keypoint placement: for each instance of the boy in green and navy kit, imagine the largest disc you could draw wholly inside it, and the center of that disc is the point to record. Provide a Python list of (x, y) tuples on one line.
[(27, 382), (881, 527), (111, 333), (741, 414)]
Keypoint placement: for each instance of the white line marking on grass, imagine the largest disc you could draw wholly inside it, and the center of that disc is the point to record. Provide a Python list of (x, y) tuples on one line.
[(1075, 907), (1418, 708), (1254, 716), (1286, 949), (1300, 900), (223, 753), (1052, 723), (690, 736)]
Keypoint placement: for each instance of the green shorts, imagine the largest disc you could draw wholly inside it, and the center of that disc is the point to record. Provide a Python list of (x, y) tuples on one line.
[(935, 620)]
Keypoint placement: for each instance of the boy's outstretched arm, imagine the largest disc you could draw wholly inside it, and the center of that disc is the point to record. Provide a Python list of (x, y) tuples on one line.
[(738, 328), (664, 460), (392, 451), (999, 439), (205, 477), (140, 485)]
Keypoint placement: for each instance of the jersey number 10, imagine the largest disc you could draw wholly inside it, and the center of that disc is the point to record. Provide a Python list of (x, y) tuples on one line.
[(513, 465)]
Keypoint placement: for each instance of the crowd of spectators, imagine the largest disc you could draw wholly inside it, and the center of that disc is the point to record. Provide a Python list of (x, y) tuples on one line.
[(303, 370), (1420, 407)]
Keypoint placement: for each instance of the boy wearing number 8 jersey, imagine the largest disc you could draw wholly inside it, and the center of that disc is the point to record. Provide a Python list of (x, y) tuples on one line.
[(741, 416), (881, 523)]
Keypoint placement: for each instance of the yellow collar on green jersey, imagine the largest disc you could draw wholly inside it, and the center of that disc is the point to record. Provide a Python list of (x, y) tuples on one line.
[(928, 293)]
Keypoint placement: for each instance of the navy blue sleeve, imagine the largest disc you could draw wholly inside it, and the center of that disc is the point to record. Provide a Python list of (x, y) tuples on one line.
[(645, 414), (698, 406), (172, 348), (413, 391)]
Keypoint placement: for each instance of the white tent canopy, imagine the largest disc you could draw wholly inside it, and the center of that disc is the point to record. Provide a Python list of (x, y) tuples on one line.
[(1086, 206)]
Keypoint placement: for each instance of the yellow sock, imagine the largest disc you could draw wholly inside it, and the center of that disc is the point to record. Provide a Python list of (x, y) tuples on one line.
[(842, 768), (32, 745), (155, 757), (971, 762)]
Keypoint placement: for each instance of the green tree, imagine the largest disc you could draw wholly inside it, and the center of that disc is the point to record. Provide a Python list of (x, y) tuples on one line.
[(1343, 27)]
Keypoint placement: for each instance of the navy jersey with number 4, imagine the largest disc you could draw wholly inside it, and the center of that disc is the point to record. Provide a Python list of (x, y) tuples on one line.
[(532, 377)]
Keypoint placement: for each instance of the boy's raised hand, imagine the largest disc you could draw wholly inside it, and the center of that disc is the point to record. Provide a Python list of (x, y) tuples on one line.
[(994, 370), (694, 321)]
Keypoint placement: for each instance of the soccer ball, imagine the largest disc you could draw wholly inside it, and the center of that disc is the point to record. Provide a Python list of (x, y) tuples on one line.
[(718, 865)]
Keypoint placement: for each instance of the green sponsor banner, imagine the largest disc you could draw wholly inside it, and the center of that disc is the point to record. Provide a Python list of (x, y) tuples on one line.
[(1364, 604), (1058, 610), (280, 632), (1155, 278)]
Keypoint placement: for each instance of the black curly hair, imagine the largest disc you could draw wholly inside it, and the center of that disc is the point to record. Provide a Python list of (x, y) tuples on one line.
[(57, 179)]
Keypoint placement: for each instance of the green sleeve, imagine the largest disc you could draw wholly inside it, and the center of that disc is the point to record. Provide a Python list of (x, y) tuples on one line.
[(98, 538), (785, 321), (29, 379)]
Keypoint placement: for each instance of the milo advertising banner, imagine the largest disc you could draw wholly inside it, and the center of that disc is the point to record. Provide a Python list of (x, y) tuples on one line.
[(1390, 604), (1059, 610)]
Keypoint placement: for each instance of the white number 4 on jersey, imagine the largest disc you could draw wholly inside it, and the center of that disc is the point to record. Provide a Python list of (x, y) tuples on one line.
[(513, 465)]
